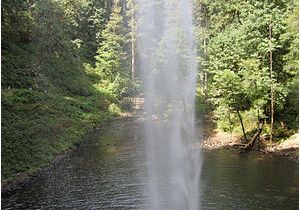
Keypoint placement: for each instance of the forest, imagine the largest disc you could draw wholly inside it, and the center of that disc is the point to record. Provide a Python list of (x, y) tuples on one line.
[(68, 66)]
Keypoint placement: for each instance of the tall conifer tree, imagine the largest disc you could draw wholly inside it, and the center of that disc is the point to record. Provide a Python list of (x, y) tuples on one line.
[(111, 58)]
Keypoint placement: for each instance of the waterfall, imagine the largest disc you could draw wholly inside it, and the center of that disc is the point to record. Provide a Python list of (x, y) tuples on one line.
[(167, 62)]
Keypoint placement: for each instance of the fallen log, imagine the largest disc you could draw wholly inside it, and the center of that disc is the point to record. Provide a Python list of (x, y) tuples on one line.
[(250, 144)]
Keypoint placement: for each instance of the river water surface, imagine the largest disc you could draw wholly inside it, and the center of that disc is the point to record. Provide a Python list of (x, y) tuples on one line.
[(108, 171)]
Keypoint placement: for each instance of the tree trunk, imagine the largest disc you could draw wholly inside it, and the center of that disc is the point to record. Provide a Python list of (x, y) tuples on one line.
[(242, 124), (206, 85), (205, 76), (272, 88), (132, 47), (132, 60), (250, 144)]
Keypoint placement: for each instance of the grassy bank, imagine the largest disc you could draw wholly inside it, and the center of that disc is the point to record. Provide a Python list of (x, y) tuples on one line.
[(37, 126)]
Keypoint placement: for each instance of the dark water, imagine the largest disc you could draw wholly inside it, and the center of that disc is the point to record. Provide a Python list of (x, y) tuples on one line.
[(108, 172)]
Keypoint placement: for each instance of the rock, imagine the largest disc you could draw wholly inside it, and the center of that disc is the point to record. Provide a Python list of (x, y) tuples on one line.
[(271, 149)]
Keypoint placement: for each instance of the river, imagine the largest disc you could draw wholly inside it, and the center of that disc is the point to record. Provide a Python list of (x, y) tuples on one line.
[(108, 171)]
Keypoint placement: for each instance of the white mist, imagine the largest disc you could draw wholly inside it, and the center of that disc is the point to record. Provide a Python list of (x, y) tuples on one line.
[(168, 66)]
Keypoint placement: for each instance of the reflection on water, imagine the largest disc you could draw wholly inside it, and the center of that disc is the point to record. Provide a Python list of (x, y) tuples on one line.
[(247, 181), (108, 172)]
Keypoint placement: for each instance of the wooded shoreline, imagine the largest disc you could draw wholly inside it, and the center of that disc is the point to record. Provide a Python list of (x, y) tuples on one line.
[(214, 139)]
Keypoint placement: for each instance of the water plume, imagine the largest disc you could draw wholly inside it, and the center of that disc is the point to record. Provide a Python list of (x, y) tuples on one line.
[(168, 66)]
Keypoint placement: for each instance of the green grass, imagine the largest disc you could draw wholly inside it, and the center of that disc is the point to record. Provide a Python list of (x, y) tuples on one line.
[(37, 126)]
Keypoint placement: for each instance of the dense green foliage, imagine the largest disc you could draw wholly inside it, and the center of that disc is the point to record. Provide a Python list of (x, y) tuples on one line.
[(248, 57), (64, 70)]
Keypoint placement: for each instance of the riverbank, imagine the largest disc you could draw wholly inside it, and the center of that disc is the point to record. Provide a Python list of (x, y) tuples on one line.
[(214, 139), (18, 180), (38, 126), (94, 123)]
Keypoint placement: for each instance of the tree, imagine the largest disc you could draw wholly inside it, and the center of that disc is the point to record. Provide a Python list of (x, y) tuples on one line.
[(131, 10), (111, 58), (267, 24), (17, 34), (231, 94), (87, 19)]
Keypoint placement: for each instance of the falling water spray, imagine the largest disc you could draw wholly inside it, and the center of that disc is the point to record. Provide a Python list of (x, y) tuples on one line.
[(168, 66)]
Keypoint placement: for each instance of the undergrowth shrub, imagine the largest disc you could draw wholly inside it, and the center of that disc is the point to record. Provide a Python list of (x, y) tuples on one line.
[(114, 109), (202, 106), (126, 104)]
